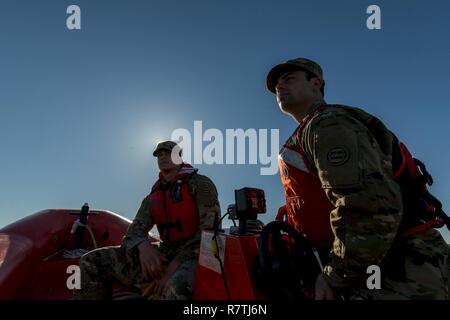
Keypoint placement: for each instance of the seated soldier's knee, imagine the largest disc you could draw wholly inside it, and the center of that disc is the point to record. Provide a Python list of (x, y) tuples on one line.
[(86, 258), (89, 261)]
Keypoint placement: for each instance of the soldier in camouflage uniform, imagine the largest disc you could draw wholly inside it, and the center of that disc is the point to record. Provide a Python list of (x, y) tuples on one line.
[(182, 204), (341, 193)]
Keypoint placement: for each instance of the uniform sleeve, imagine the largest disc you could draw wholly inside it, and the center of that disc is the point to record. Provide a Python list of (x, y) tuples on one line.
[(207, 201), (357, 178), (139, 228)]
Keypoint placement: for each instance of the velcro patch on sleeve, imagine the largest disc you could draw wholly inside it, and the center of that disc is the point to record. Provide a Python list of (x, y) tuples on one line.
[(337, 157)]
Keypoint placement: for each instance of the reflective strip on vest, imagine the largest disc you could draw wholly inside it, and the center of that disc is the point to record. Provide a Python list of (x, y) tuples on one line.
[(293, 158)]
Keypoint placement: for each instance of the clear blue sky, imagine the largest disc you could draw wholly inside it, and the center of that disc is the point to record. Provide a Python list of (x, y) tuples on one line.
[(81, 110)]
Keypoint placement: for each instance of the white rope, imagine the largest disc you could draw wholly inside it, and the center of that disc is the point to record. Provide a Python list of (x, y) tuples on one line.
[(77, 253), (316, 254), (77, 224)]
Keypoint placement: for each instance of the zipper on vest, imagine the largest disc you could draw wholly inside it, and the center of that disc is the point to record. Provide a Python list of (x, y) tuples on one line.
[(165, 214)]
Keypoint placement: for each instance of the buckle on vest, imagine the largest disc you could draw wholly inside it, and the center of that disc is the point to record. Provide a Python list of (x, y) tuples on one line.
[(175, 194)]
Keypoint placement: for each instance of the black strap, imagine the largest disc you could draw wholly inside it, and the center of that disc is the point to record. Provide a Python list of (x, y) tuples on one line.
[(425, 176), (438, 205)]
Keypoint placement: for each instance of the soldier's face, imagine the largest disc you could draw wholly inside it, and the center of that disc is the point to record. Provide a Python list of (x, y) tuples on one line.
[(294, 91), (165, 160)]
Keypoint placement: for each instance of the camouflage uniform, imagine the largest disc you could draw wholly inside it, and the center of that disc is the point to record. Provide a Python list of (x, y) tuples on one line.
[(368, 211), (100, 267), (355, 170)]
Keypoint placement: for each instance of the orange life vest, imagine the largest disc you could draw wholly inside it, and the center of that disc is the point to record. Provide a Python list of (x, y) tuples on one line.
[(173, 208), (307, 207)]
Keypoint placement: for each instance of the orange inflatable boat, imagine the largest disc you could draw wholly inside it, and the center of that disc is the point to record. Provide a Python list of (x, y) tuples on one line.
[(38, 253)]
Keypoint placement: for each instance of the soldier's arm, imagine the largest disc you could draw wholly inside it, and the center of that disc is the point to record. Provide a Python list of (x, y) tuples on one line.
[(357, 178), (207, 201), (139, 228)]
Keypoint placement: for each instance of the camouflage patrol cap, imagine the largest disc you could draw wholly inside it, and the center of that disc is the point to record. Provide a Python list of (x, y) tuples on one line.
[(292, 65), (165, 145)]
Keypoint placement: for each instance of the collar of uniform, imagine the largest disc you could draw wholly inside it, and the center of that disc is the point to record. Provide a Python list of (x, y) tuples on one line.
[(184, 169), (313, 107)]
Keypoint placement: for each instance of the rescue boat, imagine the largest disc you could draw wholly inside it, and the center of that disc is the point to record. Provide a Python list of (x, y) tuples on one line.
[(39, 252)]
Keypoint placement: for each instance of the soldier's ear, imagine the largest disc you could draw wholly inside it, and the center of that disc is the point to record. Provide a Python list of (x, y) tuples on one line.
[(317, 82)]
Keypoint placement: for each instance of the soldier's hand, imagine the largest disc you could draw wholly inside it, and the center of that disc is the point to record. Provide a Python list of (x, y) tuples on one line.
[(322, 290), (151, 260)]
